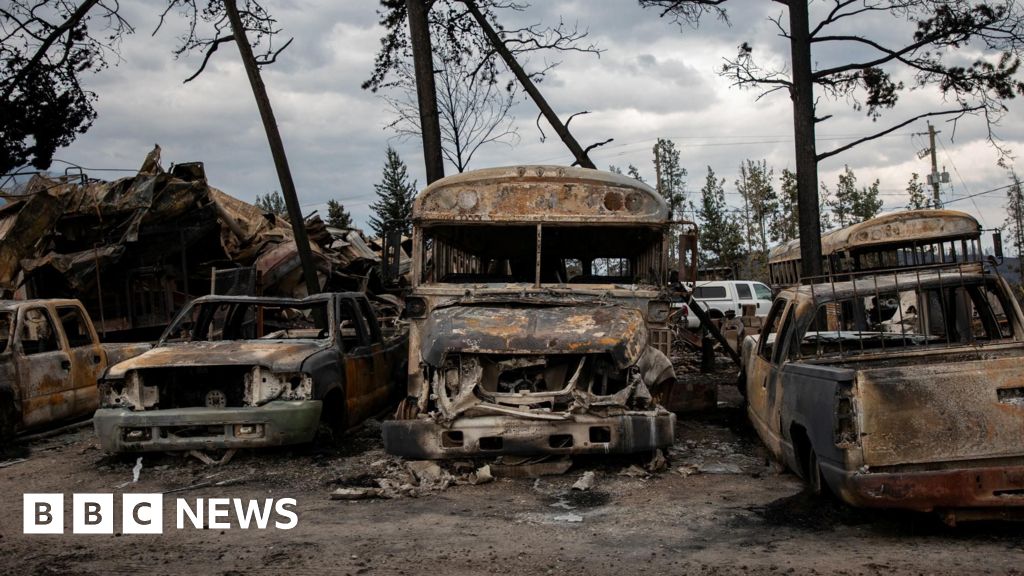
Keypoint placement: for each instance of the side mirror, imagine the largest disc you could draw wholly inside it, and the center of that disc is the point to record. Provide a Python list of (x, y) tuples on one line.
[(997, 244)]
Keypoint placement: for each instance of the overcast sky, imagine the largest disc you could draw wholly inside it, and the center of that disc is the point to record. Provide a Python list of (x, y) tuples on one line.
[(654, 79)]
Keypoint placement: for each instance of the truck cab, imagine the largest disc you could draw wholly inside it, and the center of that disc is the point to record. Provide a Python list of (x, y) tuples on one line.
[(50, 360)]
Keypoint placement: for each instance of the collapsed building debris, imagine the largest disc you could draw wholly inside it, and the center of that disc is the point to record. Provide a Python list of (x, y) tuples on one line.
[(137, 249)]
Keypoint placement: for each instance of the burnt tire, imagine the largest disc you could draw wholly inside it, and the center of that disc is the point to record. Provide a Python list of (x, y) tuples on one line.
[(8, 418)]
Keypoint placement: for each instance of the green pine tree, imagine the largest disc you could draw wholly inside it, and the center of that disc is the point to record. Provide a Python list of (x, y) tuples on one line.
[(918, 197), (721, 235), (393, 209), (337, 216), (786, 224), (272, 203)]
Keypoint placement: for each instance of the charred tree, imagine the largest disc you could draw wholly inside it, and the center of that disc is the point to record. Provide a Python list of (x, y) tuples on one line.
[(284, 173)]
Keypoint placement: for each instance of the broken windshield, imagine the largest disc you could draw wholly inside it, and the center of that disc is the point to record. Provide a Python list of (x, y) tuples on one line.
[(568, 254), (966, 313), (251, 320)]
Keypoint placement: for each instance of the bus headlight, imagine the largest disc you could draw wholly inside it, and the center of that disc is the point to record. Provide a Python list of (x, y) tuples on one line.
[(415, 307)]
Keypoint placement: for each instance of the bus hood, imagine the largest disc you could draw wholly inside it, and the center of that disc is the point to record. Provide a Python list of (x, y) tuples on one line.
[(619, 332)]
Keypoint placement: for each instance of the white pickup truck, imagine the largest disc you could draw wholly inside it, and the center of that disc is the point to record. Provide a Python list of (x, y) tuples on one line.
[(719, 296)]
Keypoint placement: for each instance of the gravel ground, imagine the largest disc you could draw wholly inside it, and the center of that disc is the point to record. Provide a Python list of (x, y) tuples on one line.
[(715, 507)]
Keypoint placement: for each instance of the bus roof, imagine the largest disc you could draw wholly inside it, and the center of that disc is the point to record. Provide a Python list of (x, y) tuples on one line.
[(894, 228), (531, 194)]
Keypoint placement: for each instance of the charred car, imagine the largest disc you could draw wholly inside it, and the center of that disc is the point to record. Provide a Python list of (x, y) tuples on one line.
[(236, 371), (537, 316), (50, 360), (898, 389)]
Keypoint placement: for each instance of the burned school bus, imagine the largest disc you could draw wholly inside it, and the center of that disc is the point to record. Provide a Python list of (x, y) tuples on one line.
[(537, 316)]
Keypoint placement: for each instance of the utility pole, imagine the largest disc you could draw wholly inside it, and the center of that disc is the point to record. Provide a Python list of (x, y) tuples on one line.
[(284, 173), (934, 177)]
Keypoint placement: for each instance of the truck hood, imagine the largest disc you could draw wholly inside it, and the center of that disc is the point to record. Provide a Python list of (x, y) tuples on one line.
[(276, 355), (620, 332)]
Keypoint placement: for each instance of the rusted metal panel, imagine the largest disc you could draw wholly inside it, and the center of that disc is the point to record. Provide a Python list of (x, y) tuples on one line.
[(619, 332), (939, 411), (264, 386), (972, 487), (540, 194), (933, 423)]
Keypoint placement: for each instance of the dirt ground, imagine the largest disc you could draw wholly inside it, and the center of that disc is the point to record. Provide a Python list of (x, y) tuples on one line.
[(719, 508)]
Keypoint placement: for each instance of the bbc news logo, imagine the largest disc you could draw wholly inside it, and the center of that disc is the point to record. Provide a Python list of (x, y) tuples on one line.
[(144, 513)]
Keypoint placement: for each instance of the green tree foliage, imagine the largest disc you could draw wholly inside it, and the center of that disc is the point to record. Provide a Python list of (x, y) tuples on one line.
[(670, 176), (631, 171), (49, 45), (272, 203), (850, 204), (918, 197), (721, 235), (786, 224), (337, 216), (760, 205), (670, 182), (393, 208), (1015, 213)]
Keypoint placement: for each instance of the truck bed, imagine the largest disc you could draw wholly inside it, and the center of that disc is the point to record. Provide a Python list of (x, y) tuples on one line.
[(948, 405)]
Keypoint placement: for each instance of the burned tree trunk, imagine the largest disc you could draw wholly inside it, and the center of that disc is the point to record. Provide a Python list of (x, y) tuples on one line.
[(423, 62), (284, 173), (802, 93), (524, 79)]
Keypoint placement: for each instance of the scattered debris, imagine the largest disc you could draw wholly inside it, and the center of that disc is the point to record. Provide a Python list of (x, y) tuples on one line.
[(424, 470), (568, 518), (658, 462), (205, 459), (634, 471), (586, 482), (356, 493), (482, 475), (207, 484), (719, 468), (513, 467), (687, 470), (7, 463), (136, 470)]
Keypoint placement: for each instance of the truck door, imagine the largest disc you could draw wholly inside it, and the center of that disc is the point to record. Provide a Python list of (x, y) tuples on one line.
[(763, 297), (86, 355), (764, 385), (744, 297), (382, 371), (360, 373), (44, 368)]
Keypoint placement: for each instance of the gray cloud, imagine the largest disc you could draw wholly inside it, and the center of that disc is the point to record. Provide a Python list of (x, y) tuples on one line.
[(655, 79)]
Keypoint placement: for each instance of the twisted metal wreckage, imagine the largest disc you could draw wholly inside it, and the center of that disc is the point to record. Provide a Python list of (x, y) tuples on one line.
[(137, 249)]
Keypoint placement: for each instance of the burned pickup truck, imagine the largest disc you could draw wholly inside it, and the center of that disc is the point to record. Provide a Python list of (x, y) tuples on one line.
[(50, 359), (537, 316), (237, 371), (897, 389)]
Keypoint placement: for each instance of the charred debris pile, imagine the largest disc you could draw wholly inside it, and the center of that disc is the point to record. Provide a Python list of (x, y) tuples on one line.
[(137, 249)]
